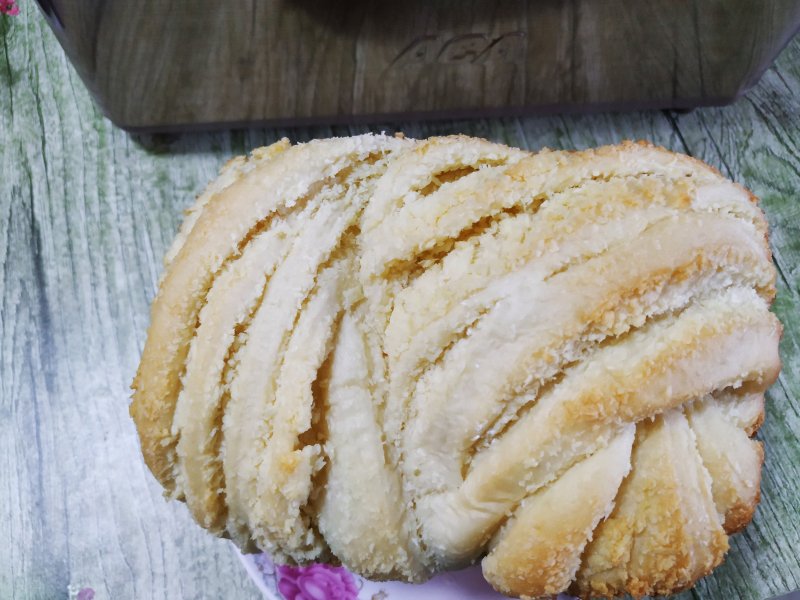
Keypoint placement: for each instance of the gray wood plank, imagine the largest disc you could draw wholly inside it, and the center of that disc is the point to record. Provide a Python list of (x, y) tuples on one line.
[(86, 215), (86, 212)]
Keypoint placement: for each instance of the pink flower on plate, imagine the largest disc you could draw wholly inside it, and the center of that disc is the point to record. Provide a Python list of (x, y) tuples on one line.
[(9, 7), (316, 582)]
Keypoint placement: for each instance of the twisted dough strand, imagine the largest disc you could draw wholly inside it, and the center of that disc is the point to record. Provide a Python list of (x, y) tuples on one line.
[(407, 355)]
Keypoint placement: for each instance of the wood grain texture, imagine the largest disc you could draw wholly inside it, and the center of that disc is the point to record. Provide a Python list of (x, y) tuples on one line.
[(161, 63), (86, 212)]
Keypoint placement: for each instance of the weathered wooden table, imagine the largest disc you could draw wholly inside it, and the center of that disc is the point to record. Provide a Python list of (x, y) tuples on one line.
[(86, 212)]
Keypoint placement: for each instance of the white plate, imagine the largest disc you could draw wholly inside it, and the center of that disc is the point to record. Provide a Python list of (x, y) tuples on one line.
[(322, 582)]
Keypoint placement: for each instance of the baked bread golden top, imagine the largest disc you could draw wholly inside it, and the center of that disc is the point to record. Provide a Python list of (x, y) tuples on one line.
[(411, 355)]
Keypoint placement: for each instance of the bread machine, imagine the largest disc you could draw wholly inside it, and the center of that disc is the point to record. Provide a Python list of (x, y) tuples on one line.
[(171, 64)]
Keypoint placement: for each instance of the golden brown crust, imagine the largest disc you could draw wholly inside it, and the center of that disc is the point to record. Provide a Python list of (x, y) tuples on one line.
[(406, 356), (236, 210), (741, 513), (663, 534), (551, 527)]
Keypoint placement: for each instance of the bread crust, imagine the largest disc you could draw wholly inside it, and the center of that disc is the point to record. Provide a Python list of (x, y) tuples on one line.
[(407, 356)]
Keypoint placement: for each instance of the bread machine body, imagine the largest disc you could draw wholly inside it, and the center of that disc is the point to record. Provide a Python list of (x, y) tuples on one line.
[(168, 64)]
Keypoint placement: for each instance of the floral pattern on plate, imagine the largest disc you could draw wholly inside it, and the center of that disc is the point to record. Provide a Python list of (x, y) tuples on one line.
[(324, 582), (316, 582)]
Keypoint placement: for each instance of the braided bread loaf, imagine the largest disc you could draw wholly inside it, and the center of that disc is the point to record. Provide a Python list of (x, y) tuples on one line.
[(408, 355)]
